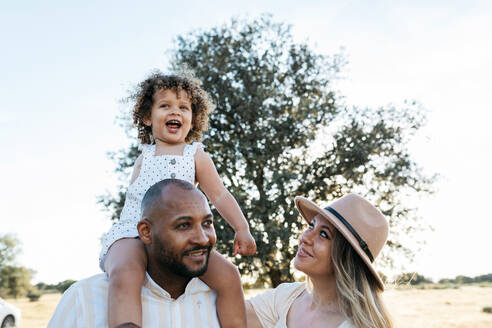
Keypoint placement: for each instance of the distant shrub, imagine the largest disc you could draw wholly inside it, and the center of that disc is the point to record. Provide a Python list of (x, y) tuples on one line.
[(41, 286), (412, 278), (446, 281), (463, 280), (415, 280), (487, 309), (485, 284), (426, 286), (485, 278), (436, 286), (54, 288), (63, 286), (33, 296), (445, 286)]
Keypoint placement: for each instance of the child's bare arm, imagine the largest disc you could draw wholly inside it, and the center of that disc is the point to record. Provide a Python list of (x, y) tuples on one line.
[(211, 184), (226, 204), (223, 277)]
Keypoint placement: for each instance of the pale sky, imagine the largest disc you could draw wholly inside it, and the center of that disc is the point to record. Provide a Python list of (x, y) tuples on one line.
[(64, 68)]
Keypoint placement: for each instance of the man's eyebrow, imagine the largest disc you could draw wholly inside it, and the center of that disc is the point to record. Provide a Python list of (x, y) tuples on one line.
[(183, 218), (188, 218)]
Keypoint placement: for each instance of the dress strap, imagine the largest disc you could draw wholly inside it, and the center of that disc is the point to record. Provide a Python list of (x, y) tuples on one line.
[(190, 149), (147, 150)]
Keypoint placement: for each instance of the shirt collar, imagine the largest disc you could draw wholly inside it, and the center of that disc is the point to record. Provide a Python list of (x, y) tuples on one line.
[(194, 286)]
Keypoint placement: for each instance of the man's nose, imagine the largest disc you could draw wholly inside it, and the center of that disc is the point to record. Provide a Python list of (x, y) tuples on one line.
[(200, 237)]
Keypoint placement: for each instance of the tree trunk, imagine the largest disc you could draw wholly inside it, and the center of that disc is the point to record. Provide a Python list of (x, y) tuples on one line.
[(275, 277)]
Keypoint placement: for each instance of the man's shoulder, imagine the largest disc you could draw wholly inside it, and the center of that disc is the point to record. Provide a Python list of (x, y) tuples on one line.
[(98, 280), (81, 302)]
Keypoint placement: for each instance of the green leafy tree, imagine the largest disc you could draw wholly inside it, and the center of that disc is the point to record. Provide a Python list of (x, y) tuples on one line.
[(280, 130), (9, 249), (14, 280)]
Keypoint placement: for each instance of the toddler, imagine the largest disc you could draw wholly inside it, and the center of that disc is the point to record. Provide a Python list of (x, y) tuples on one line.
[(171, 112)]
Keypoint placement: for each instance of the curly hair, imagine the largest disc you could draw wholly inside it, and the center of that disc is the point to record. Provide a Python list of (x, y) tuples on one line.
[(201, 104)]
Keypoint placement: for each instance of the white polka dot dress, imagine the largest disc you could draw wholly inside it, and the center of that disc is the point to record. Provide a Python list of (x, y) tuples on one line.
[(153, 169)]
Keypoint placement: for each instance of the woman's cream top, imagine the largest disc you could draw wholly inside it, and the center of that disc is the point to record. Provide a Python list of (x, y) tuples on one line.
[(272, 306)]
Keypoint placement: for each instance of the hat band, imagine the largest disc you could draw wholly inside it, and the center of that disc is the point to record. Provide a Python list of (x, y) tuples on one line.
[(362, 243)]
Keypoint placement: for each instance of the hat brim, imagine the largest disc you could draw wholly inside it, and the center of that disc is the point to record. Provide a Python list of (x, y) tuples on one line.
[(309, 209)]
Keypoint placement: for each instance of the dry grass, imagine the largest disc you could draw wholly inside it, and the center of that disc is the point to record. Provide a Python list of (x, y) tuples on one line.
[(450, 308), (433, 308), (437, 308), (36, 314)]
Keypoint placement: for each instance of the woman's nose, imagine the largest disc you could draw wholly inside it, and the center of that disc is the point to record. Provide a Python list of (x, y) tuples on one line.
[(307, 236)]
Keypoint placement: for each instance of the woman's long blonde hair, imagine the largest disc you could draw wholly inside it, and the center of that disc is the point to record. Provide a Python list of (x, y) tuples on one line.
[(359, 295)]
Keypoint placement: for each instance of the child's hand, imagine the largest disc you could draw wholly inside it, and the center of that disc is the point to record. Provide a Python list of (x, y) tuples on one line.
[(244, 243)]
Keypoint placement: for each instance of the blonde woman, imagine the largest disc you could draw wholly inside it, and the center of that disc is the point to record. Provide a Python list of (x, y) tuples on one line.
[(336, 252)]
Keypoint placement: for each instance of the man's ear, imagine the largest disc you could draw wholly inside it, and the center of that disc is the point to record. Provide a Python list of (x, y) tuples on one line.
[(144, 228)]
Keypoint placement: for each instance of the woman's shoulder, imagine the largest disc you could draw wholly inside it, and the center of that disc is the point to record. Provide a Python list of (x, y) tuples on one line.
[(281, 293), (273, 305), (346, 324), (291, 287), (286, 293)]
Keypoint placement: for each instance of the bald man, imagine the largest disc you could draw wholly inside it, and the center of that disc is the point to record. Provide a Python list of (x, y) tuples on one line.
[(178, 233)]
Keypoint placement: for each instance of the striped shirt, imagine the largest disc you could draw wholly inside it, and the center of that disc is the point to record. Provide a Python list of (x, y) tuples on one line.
[(85, 304)]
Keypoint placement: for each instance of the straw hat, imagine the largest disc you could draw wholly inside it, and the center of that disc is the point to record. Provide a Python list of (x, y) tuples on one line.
[(362, 224)]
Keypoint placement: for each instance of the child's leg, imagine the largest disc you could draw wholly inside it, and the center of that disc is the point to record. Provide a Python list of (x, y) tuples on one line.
[(223, 277), (125, 265)]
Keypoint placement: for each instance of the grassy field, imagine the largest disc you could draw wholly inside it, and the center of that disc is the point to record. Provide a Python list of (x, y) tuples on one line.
[(427, 308)]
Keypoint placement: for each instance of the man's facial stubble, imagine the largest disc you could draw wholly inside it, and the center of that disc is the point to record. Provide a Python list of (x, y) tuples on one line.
[(174, 262)]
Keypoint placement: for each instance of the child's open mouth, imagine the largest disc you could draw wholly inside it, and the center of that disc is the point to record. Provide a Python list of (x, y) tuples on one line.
[(173, 125)]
